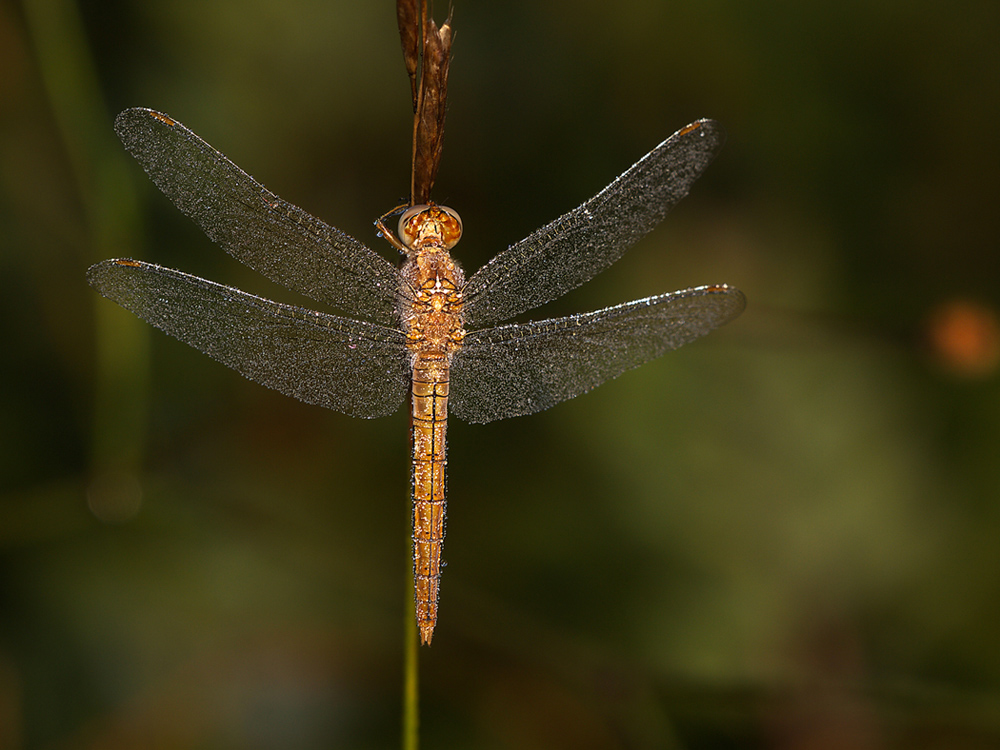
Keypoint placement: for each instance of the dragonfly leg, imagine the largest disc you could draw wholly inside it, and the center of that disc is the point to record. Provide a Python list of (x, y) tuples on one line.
[(389, 235)]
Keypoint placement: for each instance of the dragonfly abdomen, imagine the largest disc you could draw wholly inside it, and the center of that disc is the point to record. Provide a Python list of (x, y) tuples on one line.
[(429, 421)]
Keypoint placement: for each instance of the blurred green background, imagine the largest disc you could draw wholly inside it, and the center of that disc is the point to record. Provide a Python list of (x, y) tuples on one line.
[(784, 536)]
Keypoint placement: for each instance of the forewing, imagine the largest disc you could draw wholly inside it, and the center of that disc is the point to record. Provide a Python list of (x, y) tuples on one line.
[(354, 367), (275, 238), (580, 244), (520, 369)]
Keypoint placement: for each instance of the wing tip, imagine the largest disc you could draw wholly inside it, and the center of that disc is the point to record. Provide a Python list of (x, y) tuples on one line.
[(139, 117), (739, 299), (704, 128)]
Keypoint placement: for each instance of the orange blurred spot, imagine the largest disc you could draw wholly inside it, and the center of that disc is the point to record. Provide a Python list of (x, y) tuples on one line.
[(964, 337)]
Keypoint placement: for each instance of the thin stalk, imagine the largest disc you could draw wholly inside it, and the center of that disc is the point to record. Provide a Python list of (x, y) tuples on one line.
[(411, 662)]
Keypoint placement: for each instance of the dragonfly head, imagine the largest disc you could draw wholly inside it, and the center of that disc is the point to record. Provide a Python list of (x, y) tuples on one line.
[(430, 223)]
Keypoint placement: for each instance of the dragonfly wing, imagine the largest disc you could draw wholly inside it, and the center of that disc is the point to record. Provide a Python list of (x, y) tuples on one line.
[(520, 369), (580, 244), (352, 366), (275, 238)]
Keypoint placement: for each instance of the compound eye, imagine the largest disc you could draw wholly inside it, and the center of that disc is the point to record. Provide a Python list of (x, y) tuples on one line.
[(408, 224), (431, 221), (451, 226)]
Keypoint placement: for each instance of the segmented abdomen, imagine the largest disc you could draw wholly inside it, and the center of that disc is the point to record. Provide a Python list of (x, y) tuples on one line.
[(429, 421)]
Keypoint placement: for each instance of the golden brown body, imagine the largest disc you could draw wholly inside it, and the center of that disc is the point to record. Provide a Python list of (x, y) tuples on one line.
[(433, 325), (412, 334)]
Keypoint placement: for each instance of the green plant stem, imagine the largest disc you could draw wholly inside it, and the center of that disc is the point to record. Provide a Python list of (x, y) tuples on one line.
[(411, 662), (101, 172)]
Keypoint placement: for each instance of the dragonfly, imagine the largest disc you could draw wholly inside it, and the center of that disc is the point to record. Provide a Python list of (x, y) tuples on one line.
[(421, 330)]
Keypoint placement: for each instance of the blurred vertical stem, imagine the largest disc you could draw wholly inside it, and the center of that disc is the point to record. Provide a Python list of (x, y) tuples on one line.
[(100, 168), (411, 659)]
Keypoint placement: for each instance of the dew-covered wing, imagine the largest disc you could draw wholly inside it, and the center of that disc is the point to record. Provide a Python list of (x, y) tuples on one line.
[(275, 238), (519, 369), (580, 244), (352, 366)]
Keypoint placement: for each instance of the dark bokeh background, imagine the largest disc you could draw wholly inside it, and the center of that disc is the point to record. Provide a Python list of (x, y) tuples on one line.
[(783, 536)]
